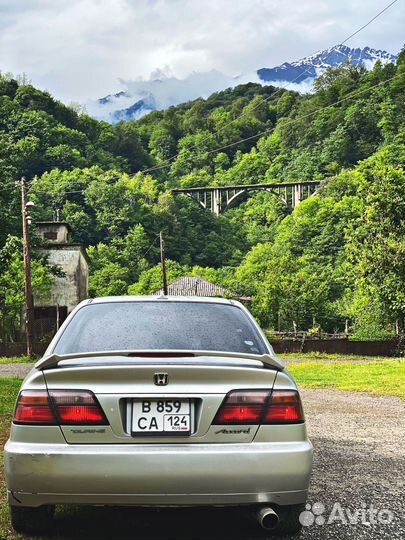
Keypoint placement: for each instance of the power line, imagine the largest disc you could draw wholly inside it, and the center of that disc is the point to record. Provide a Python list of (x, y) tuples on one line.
[(293, 120), (351, 35), (151, 245), (349, 96), (167, 163), (59, 192), (369, 22), (17, 188), (168, 160)]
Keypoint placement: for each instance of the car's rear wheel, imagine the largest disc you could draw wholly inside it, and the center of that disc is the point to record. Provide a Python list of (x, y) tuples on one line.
[(27, 520)]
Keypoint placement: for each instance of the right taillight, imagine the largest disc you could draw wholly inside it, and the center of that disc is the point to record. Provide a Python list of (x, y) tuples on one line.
[(59, 407), (260, 407), (284, 408)]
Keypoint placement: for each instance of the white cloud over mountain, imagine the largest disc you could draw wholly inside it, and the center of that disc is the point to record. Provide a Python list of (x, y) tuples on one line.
[(163, 89), (79, 49)]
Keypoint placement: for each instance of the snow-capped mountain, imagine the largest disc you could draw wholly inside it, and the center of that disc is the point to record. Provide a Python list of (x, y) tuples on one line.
[(311, 67), (143, 96), (162, 91)]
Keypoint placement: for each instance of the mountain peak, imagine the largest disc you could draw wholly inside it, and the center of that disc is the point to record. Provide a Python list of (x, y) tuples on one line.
[(163, 89), (309, 68)]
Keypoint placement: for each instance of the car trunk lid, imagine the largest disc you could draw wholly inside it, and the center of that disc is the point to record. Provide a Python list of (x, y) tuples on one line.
[(122, 384)]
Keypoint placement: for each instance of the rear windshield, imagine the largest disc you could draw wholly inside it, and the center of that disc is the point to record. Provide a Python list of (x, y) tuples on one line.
[(133, 326)]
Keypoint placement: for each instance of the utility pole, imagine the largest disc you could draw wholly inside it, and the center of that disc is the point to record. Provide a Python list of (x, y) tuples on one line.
[(29, 305), (163, 261)]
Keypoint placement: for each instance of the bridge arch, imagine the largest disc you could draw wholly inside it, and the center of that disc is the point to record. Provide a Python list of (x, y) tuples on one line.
[(219, 199), (243, 194)]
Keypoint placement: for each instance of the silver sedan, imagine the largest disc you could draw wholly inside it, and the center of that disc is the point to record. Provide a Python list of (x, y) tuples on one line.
[(159, 401)]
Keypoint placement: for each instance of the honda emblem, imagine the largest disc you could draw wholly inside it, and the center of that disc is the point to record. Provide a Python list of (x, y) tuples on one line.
[(161, 379)]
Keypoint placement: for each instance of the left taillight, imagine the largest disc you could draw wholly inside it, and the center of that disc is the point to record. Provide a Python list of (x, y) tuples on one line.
[(59, 407), (33, 407)]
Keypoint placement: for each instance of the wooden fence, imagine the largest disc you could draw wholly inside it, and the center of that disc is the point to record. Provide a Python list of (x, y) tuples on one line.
[(288, 345), (339, 346), (20, 349)]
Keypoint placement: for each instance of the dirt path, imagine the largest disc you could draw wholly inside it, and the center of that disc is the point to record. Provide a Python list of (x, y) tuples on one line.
[(359, 445), (18, 370)]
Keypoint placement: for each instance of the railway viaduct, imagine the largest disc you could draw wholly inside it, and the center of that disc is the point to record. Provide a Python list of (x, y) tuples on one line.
[(219, 199)]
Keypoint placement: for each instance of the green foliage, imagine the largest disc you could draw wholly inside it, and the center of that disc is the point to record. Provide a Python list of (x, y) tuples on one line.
[(151, 280), (12, 285), (377, 243), (338, 256)]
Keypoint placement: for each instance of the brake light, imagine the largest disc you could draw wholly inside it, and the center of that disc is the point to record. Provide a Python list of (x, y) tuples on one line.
[(77, 407), (59, 407), (260, 407), (242, 407), (33, 407), (239, 414)]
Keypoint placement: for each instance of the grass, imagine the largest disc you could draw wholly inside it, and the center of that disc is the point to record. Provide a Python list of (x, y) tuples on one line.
[(334, 357), (376, 378), (16, 360), (286, 356), (8, 393)]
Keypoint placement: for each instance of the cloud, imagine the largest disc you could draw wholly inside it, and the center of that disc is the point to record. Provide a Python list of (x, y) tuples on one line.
[(79, 49)]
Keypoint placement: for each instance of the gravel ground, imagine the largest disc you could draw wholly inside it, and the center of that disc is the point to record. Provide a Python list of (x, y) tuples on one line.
[(359, 460), (359, 463), (20, 369), (15, 370)]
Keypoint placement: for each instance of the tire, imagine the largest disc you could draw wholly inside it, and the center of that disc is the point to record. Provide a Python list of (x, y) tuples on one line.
[(36, 521)]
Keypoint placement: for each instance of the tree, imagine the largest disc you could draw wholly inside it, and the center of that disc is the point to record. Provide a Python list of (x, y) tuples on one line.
[(151, 280), (377, 244), (337, 256), (12, 299)]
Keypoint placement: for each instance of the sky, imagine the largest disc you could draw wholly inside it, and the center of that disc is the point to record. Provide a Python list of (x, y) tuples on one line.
[(80, 49)]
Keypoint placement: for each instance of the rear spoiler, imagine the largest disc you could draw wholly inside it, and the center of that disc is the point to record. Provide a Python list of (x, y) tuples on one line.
[(53, 360)]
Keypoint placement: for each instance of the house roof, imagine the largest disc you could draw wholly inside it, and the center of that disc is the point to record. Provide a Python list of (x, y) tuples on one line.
[(53, 223), (196, 286)]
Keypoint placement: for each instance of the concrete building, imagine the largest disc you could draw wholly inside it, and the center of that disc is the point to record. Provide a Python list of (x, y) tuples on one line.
[(71, 287)]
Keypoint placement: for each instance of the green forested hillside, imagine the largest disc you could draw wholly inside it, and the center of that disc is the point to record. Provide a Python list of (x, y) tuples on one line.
[(338, 256)]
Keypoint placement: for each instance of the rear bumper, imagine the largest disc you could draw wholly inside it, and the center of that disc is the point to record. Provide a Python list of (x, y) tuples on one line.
[(181, 475)]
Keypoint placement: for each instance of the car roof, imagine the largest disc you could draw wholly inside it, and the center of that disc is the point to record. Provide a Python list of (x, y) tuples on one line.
[(154, 298)]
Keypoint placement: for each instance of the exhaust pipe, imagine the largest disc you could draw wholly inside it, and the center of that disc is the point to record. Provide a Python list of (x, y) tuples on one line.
[(268, 518)]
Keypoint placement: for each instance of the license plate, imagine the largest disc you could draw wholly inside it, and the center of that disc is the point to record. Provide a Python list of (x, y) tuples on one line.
[(151, 416)]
